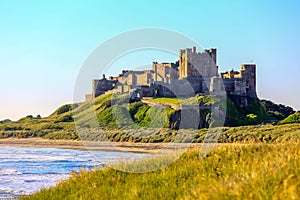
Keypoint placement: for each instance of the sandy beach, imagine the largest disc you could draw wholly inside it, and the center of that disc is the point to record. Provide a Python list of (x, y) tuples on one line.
[(93, 145), (43, 143), (109, 146)]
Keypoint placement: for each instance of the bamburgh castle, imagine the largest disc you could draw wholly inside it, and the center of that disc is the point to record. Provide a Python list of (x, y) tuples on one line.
[(193, 73)]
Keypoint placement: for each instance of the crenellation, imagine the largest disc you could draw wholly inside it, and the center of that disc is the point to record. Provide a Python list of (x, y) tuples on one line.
[(195, 70), (197, 64)]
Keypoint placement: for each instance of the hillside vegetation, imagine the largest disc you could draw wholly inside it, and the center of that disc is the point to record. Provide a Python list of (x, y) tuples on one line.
[(293, 118), (228, 172), (266, 166), (159, 117)]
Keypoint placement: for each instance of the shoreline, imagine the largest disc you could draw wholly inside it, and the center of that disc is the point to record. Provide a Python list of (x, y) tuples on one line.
[(41, 143), (106, 146), (92, 145)]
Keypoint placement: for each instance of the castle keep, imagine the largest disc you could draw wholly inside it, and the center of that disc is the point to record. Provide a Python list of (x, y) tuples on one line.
[(193, 73), (197, 64)]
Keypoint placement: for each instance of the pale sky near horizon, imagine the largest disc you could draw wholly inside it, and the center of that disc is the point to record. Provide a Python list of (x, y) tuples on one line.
[(44, 44)]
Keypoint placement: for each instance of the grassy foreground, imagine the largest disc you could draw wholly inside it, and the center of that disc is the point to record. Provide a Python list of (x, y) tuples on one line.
[(257, 171)]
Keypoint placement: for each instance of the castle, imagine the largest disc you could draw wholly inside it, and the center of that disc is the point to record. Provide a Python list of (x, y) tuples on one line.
[(194, 73)]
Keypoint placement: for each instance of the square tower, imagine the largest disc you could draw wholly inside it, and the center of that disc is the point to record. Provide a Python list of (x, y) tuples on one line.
[(248, 73), (197, 64)]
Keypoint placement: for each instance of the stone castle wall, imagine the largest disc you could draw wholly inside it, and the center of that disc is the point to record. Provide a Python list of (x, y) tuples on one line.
[(194, 70), (197, 64), (165, 72)]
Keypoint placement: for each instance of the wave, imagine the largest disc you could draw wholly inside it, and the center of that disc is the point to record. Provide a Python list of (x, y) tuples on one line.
[(8, 193), (24, 170), (9, 172)]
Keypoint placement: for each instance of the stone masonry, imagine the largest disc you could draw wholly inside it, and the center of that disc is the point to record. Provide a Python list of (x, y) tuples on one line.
[(194, 73)]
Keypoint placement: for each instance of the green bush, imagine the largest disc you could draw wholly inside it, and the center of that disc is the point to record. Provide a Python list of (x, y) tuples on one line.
[(52, 127), (252, 119), (277, 111), (6, 128), (66, 118), (64, 109)]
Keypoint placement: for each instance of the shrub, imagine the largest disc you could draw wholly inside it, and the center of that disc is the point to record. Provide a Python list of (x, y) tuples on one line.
[(252, 119), (64, 109), (52, 127), (66, 118), (12, 128)]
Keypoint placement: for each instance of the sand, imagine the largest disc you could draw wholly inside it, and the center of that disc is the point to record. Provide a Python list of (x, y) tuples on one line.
[(84, 145), (108, 146)]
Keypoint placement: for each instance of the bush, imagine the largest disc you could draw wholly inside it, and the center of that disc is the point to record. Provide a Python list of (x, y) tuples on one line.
[(53, 127), (66, 118), (64, 109), (278, 111), (252, 119), (12, 128)]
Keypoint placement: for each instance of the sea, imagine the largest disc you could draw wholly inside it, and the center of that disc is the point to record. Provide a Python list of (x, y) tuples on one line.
[(25, 170)]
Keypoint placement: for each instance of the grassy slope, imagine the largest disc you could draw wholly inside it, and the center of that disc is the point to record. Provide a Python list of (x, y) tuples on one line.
[(233, 172), (244, 134), (293, 118), (166, 100), (60, 125), (248, 172), (56, 126)]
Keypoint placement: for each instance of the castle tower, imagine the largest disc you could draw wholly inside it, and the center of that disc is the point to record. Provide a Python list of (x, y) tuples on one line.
[(182, 64), (248, 73), (197, 64), (213, 54)]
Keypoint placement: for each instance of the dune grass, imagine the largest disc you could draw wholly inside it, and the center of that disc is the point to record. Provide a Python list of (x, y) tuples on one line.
[(228, 172)]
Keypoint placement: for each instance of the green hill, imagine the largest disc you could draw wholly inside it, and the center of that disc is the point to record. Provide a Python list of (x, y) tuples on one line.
[(293, 118), (256, 169), (158, 113)]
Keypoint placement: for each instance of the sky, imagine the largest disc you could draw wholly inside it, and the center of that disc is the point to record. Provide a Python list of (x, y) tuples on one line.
[(43, 44)]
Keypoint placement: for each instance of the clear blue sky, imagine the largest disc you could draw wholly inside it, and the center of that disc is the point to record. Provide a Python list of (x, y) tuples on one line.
[(43, 44)]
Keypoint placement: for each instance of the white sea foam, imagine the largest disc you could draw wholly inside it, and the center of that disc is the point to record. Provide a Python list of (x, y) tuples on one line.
[(9, 172), (25, 170)]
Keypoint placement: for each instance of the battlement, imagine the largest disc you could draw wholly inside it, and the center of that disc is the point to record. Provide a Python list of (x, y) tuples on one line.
[(197, 64), (194, 51), (248, 67), (231, 74), (244, 80), (195, 68)]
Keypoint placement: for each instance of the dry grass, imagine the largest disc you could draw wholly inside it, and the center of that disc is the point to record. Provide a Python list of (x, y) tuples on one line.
[(228, 172)]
